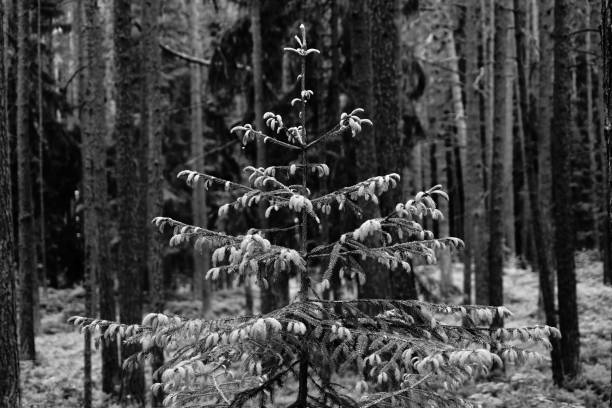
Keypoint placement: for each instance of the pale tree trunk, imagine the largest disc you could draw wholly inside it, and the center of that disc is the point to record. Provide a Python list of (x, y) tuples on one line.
[(444, 256), (562, 205), (508, 134), (544, 262), (488, 44), (201, 262), (498, 169), (475, 216), (130, 263), (10, 395), (26, 237)]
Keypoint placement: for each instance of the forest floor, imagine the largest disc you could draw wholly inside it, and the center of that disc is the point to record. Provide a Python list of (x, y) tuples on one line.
[(55, 380)]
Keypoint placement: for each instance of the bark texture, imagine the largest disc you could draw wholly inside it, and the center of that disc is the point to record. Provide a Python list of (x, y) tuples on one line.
[(543, 258), (606, 46), (498, 188), (130, 263), (201, 262), (475, 217), (26, 228), (562, 200), (10, 395)]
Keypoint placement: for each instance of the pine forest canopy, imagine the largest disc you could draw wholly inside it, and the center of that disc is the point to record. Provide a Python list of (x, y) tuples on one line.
[(398, 352)]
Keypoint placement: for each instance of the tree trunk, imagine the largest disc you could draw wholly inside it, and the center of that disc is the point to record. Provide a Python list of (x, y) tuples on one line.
[(10, 395), (377, 279), (443, 254), (26, 249), (201, 262), (592, 136), (474, 177), (501, 125), (386, 115), (129, 175), (153, 132), (562, 200), (42, 273), (606, 47), (537, 229)]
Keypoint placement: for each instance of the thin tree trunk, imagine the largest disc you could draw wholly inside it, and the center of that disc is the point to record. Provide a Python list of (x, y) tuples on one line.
[(474, 172), (562, 204), (501, 125), (42, 278), (10, 393), (201, 262), (129, 175), (444, 256), (26, 251), (606, 47), (544, 263), (153, 125)]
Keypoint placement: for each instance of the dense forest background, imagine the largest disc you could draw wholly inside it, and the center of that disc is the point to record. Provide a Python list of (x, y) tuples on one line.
[(505, 103)]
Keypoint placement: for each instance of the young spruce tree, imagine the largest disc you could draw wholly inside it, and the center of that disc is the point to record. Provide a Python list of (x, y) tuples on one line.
[(398, 352)]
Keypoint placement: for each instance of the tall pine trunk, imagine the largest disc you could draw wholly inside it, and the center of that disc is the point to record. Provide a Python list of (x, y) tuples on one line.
[(386, 115), (129, 175), (10, 395), (498, 171), (562, 204), (543, 259), (606, 47), (475, 216), (198, 199), (153, 132), (26, 228), (378, 285)]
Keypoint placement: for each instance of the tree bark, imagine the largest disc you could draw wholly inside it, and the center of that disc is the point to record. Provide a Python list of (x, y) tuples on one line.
[(386, 116), (501, 125), (562, 200), (153, 132), (475, 217), (26, 229), (201, 262), (129, 175), (544, 262), (10, 393), (606, 47), (377, 279)]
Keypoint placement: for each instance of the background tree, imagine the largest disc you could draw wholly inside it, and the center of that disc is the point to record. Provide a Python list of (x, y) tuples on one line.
[(129, 172), (26, 229), (562, 210), (9, 352), (502, 131), (606, 46)]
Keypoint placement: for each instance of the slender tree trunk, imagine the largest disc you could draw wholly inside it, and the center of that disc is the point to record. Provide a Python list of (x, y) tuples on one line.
[(92, 103), (42, 273), (543, 259), (444, 256), (10, 393), (562, 204), (592, 135), (129, 176), (474, 177), (153, 132), (501, 125), (606, 47), (26, 251), (508, 133), (201, 262)]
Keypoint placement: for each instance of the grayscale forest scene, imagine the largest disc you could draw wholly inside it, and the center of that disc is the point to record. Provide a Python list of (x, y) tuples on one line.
[(305, 203)]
